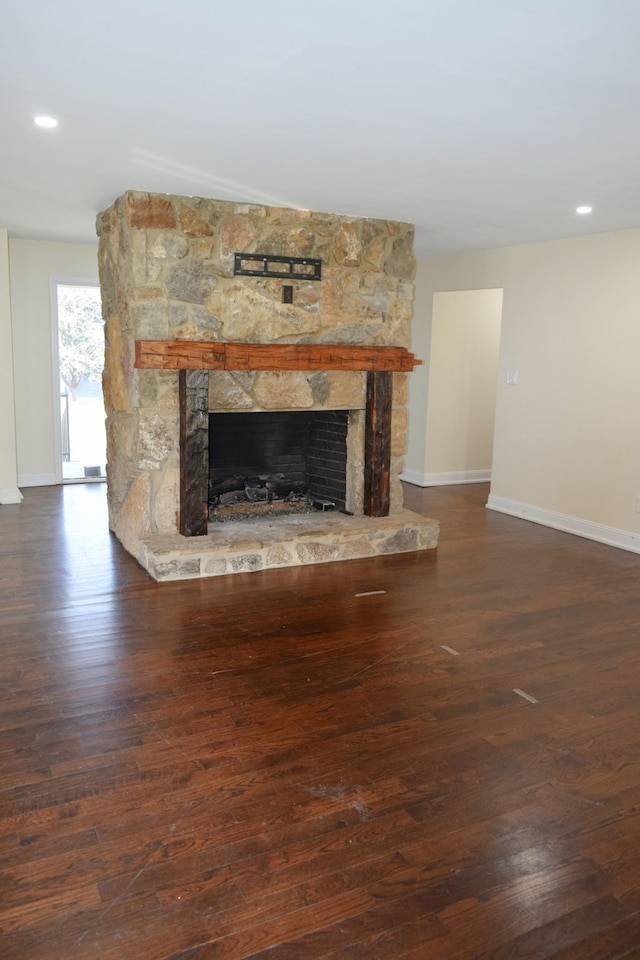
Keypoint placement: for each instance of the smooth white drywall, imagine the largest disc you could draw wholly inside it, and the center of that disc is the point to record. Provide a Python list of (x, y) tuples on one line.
[(567, 436), (33, 265), (8, 456)]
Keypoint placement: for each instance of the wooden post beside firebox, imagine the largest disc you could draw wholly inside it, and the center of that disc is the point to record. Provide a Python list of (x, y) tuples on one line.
[(377, 443), (194, 452)]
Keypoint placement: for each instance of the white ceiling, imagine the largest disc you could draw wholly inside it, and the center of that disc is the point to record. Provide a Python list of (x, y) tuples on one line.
[(484, 122)]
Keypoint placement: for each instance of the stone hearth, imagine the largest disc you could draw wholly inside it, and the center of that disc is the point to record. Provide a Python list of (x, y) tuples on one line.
[(167, 274), (246, 546)]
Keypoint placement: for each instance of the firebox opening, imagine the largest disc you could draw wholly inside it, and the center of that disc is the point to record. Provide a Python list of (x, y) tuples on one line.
[(276, 462)]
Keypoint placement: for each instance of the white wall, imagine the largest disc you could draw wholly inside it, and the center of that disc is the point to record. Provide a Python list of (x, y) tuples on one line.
[(9, 492), (33, 263), (414, 461), (567, 437)]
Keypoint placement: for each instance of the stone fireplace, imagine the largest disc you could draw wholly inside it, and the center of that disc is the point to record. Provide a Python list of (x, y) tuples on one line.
[(189, 340)]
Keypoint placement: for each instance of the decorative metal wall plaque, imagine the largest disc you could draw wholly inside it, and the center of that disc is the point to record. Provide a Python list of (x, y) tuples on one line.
[(286, 268)]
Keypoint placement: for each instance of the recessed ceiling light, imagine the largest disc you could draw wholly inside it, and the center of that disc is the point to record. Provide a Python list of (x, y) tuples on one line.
[(585, 208), (48, 123)]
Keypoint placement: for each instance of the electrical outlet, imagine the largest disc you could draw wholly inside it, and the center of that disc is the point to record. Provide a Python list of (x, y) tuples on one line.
[(512, 377)]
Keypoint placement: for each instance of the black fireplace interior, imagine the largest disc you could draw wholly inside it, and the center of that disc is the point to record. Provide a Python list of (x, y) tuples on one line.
[(295, 457)]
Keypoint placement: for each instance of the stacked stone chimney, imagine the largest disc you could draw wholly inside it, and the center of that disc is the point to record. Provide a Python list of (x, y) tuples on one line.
[(167, 273)]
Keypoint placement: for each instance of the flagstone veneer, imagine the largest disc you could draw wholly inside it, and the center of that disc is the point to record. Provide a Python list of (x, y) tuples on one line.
[(166, 273)]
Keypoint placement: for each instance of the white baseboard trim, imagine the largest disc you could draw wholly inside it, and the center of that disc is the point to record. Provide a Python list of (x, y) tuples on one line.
[(37, 480), (612, 536), (445, 479), (10, 495)]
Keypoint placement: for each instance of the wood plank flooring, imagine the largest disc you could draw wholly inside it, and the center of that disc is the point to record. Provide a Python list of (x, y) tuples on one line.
[(270, 766)]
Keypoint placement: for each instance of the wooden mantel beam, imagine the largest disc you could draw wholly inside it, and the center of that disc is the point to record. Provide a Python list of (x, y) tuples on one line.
[(209, 355)]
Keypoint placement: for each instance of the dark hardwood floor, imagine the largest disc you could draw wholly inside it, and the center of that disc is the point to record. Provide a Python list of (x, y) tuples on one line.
[(271, 766)]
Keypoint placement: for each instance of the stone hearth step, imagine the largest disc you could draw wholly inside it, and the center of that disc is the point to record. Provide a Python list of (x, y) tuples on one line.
[(247, 546)]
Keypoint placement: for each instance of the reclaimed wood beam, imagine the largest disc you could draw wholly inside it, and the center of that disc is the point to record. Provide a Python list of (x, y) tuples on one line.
[(208, 355), (179, 355), (193, 386), (377, 444)]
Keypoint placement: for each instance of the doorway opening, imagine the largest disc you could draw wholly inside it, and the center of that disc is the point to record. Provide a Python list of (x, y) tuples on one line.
[(80, 348), (463, 382)]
